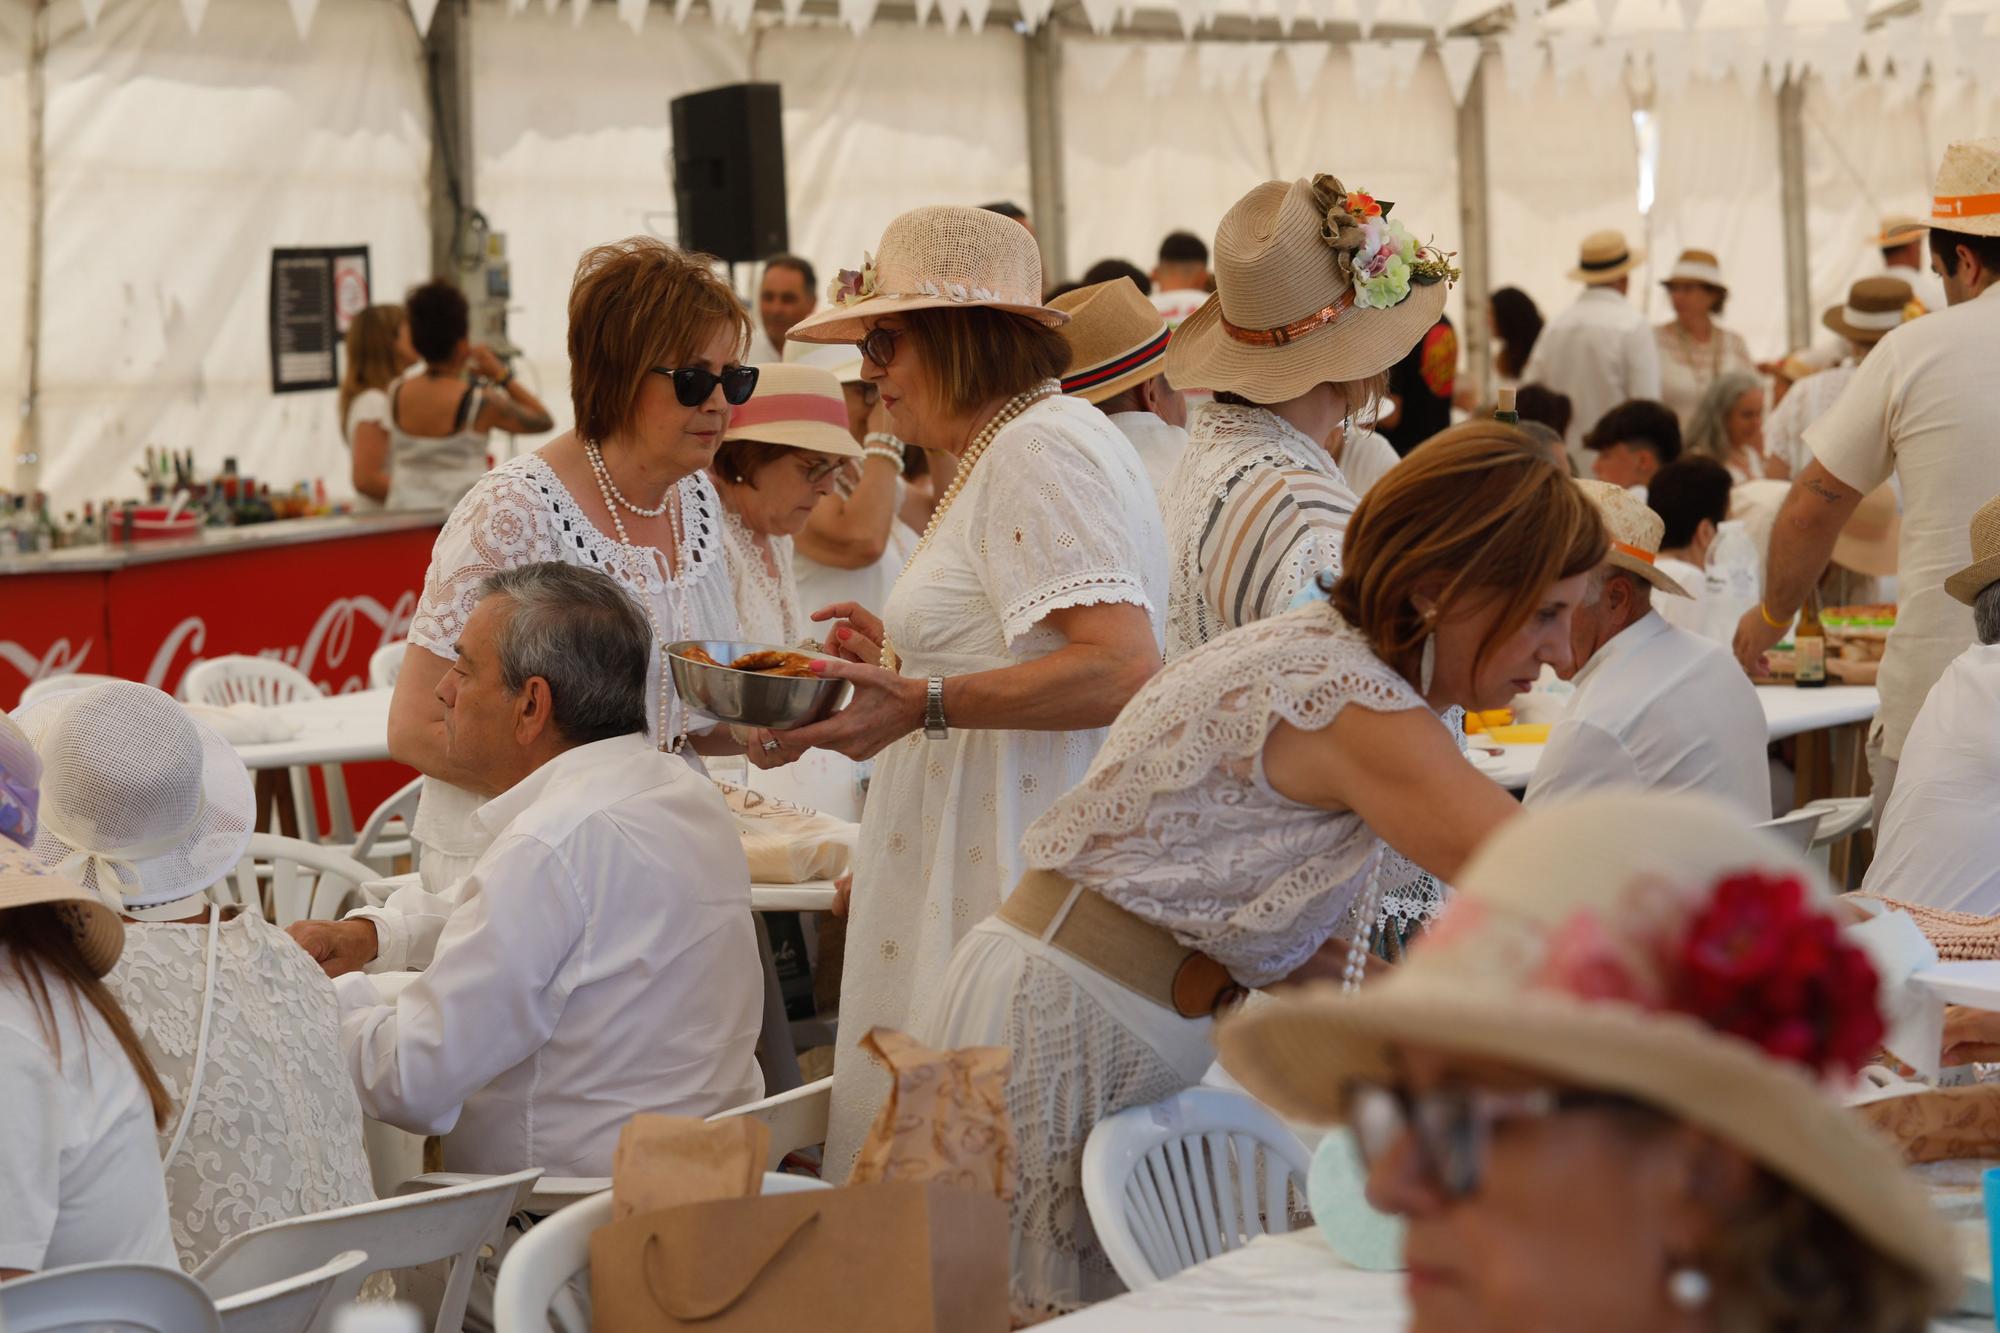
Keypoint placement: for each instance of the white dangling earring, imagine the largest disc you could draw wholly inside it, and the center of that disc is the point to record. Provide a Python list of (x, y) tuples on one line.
[(1427, 668), (1688, 1289)]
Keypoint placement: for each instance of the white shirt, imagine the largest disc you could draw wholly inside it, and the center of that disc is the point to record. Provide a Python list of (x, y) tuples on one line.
[(1940, 844), (1600, 352), (599, 961), (1806, 402), (1365, 459), (79, 1168), (1177, 305), (370, 406), (1681, 612), (1923, 406), (1158, 445), (1663, 709)]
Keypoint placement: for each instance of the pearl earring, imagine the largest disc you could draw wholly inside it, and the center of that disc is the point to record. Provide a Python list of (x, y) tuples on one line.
[(1688, 1289)]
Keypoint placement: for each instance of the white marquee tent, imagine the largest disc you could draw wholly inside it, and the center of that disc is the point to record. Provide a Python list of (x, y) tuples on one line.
[(155, 151)]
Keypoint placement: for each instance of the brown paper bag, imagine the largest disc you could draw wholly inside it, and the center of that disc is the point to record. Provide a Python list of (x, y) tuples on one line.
[(664, 1161), (945, 1119), (890, 1258)]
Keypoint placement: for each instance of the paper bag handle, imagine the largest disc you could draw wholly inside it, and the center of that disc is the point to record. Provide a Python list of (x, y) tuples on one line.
[(692, 1307)]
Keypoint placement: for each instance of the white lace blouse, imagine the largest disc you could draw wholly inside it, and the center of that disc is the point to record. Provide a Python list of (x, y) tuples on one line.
[(276, 1128), (1176, 822), (766, 590), (1253, 511)]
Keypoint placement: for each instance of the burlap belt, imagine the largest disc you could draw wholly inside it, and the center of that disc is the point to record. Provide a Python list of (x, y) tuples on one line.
[(1135, 953)]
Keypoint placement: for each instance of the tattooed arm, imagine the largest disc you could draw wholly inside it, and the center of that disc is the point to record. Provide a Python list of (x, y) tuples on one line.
[(1801, 544)]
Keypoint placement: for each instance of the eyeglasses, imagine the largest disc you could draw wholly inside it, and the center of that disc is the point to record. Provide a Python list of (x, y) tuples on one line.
[(1452, 1126), (819, 472), (879, 345), (693, 384)]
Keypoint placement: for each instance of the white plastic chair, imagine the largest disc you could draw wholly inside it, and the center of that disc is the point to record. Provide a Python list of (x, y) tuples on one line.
[(556, 1251), (289, 1305), (267, 682), (1839, 817), (307, 882), (797, 1118), (1180, 1181), (47, 685), (385, 837), (1795, 830), (114, 1297), (412, 1229), (385, 664)]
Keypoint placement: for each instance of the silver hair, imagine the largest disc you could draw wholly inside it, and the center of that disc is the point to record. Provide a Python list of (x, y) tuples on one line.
[(1707, 433), (1986, 614), (578, 631)]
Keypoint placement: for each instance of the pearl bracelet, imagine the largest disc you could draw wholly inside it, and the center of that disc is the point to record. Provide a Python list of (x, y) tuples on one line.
[(877, 451)]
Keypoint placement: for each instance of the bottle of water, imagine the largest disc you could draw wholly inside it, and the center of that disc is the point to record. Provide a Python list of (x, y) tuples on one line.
[(1733, 583)]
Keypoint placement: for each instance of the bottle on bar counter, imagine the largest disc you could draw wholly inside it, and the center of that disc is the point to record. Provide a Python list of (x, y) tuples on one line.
[(21, 527), (1505, 412), (1809, 647)]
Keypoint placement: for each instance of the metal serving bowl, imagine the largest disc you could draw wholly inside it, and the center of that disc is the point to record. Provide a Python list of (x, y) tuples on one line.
[(749, 698)]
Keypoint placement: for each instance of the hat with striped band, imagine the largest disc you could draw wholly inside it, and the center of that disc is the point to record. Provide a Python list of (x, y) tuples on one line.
[(1635, 533), (1117, 339), (801, 407), (1873, 308), (1900, 229), (1967, 196), (1696, 266), (1605, 257)]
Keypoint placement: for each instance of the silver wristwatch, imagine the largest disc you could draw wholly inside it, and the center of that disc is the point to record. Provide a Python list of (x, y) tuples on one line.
[(934, 728)]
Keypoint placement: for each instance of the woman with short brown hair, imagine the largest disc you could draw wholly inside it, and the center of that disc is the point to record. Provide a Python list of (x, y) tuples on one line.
[(656, 342)]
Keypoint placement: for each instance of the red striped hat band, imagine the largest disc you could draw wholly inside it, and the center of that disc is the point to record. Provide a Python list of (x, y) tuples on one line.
[(1124, 363), (782, 407)]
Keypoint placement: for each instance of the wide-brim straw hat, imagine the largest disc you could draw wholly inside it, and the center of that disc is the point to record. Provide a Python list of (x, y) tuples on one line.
[(1873, 308), (26, 882), (1697, 266), (1605, 257), (1285, 315), (937, 258), (1900, 229), (141, 803), (1968, 583), (841, 360), (1117, 339), (1635, 533), (799, 406), (1561, 912), (1966, 198)]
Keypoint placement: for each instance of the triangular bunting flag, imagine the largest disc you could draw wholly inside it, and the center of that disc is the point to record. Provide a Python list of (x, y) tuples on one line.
[(1095, 64), (1288, 14), (1257, 58), (1215, 65), (1691, 12), (1364, 15), (1521, 59), (1400, 59), (792, 9), (975, 14), (422, 11), (1102, 15), (1322, 12), (857, 15), (633, 14), (1162, 67), (194, 10), (1371, 68), (1567, 49), (1305, 60), (1035, 13), (1190, 12), (681, 8), (1460, 58), (1437, 13)]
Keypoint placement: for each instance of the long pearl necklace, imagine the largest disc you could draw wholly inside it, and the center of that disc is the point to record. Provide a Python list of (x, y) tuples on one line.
[(1014, 407), (613, 499)]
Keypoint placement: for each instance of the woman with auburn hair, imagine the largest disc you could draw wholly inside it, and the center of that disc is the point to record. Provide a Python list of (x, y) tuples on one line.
[(1261, 810), (656, 342), (378, 352)]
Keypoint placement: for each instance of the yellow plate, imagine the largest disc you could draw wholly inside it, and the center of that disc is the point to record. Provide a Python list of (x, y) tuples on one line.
[(1520, 733)]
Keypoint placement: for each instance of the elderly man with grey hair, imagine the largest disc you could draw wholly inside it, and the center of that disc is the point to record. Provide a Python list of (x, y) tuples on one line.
[(599, 960), (1940, 842), (1656, 707)]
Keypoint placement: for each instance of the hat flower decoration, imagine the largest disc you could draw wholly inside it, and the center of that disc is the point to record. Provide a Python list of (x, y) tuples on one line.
[(851, 285), (1381, 257)]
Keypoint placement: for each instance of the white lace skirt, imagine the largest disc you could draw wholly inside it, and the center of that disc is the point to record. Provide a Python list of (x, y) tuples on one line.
[(1084, 1047)]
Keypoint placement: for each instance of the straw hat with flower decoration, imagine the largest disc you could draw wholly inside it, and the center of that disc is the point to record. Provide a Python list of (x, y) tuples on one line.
[(1314, 284), (1966, 198), (1117, 339), (1650, 945), (1635, 532)]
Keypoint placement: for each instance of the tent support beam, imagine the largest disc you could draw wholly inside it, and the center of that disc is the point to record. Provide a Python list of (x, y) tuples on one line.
[(448, 72), (1474, 253), (1048, 207), (1792, 190), (27, 459)]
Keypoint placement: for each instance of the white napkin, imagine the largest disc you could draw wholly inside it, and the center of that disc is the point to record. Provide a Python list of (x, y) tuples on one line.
[(245, 723), (1915, 1016)]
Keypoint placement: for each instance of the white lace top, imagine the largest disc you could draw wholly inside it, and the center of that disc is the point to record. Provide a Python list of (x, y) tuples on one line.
[(276, 1131), (1253, 511), (1176, 821), (767, 598), (520, 514)]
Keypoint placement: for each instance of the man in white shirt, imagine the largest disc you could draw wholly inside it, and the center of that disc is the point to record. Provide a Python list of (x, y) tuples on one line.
[(1600, 351), (788, 293), (600, 959), (1940, 843), (1921, 407), (1181, 278), (1655, 706), (1117, 350), (1873, 307)]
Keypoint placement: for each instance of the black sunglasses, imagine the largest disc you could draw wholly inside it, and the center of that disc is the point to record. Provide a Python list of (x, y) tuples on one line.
[(1452, 1127), (693, 384), (879, 345)]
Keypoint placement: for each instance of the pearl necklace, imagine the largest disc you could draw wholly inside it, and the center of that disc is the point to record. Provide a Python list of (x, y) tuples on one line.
[(612, 500), (1014, 407)]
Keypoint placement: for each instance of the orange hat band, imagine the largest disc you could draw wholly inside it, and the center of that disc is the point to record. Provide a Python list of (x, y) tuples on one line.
[(1946, 207)]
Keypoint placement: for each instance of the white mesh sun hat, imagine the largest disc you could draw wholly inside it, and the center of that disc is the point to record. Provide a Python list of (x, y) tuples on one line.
[(140, 802)]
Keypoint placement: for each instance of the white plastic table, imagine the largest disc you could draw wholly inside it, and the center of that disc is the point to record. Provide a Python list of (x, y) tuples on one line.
[(339, 729)]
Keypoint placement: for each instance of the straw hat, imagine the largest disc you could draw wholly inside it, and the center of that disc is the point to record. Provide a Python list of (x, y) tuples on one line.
[(1287, 314), (1117, 339), (1874, 306), (800, 406), (942, 257), (1900, 229), (1696, 266), (1567, 952), (1635, 534), (1967, 195), (841, 360), (25, 881), (1605, 257), (141, 803), (1968, 583)]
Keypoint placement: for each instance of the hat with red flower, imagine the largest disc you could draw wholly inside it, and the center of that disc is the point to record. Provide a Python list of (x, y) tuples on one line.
[(1651, 945)]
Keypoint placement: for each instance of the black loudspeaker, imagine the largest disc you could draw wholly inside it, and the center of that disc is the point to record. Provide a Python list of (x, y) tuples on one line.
[(729, 171)]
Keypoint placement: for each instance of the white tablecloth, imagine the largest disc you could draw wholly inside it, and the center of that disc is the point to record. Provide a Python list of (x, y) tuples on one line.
[(339, 729)]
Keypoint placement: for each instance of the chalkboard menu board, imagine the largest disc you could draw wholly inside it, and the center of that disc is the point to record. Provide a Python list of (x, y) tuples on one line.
[(315, 295)]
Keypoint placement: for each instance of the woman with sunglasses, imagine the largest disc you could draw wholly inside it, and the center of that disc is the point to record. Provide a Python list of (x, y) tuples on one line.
[(1603, 1092), (1028, 615), (655, 344)]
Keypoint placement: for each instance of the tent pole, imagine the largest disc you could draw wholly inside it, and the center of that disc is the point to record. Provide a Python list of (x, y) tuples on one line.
[(448, 72), (1792, 183), (1474, 253), (27, 441), (1048, 205)]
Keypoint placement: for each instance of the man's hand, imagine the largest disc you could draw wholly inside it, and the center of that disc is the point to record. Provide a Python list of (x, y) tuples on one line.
[(1754, 638), (337, 946)]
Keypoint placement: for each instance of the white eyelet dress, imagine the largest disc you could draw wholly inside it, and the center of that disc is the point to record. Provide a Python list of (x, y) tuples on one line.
[(1056, 514), (1176, 824), (767, 603)]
